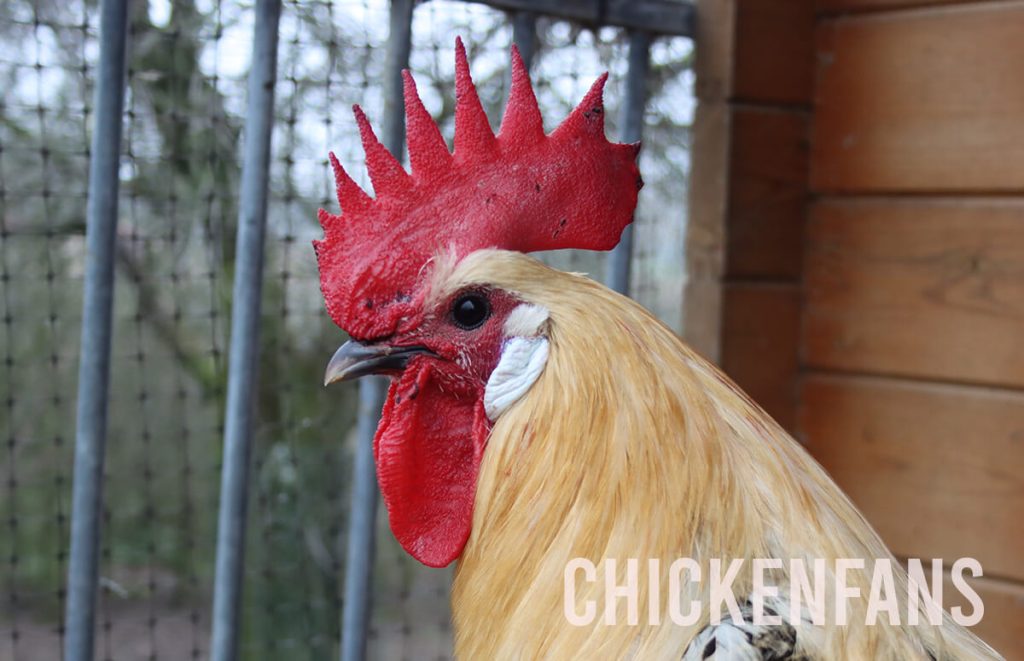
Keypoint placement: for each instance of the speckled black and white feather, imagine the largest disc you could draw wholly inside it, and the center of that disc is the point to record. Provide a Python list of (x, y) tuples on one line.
[(746, 641)]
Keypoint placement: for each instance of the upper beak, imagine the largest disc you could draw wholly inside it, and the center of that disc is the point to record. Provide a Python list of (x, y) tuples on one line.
[(353, 360)]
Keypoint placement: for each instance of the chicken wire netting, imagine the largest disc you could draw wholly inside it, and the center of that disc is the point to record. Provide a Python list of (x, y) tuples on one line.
[(185, 104)]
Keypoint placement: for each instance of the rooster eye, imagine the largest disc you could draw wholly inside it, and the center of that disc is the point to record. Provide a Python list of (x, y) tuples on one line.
[(470, 311)]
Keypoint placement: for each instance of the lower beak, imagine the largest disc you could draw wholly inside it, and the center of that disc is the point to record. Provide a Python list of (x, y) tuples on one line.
[(353, 360)]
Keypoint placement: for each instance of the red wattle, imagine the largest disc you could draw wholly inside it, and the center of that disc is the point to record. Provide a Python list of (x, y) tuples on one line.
[(428, 448)]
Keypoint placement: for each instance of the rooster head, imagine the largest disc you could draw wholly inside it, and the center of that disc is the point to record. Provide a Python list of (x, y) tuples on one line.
[(459, 355)]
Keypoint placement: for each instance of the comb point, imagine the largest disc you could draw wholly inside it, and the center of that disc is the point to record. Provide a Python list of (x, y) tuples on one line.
[(588, 116), (428, 153), (389, 178), (329, 222), (522, 121), (473, 134), (351, 197)]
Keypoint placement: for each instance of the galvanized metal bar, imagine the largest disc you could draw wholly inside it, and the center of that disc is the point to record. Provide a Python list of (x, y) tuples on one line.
[(631, 124), (243, 358), (357, 606), (654, 16), (358, 603), (97, 322)]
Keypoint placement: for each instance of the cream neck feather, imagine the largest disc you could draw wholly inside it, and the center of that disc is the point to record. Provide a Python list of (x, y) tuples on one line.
[(630, 445)]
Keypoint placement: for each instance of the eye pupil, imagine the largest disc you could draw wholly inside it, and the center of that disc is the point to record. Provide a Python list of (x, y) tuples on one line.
[(470, 311)]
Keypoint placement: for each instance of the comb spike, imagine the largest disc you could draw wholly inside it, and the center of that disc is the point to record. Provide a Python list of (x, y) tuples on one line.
[(351, 197), (588, 117), (388, 176), (330, 223), (473, 135), (428, 152), (578, 191), (522, 120)]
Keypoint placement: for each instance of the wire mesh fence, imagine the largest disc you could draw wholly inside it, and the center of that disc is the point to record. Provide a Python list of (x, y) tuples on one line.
[(175, 261)]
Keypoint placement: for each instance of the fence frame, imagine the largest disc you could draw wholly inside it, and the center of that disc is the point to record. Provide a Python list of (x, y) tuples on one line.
[(97, 327), (358, 603), (243, 360), (666, 17), (645, 19)]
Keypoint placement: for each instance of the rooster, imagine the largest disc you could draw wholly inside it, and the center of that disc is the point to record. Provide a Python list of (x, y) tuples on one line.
[(535, 416)]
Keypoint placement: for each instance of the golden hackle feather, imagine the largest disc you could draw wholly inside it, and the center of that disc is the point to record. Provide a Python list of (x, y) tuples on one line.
[(631, 445)]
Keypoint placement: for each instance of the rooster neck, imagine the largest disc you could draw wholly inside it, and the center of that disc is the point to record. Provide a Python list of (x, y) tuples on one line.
[(585, 466), (630, 445)]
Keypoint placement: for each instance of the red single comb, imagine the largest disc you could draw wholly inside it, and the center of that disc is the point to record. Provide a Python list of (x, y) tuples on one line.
[(520, 190)]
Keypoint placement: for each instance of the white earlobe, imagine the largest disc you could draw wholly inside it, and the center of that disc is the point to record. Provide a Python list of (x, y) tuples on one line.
[(522, 360)]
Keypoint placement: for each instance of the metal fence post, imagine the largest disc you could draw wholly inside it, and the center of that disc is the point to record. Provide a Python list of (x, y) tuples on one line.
[(243, 360), (97, 322), (357, 607), (631, 129)]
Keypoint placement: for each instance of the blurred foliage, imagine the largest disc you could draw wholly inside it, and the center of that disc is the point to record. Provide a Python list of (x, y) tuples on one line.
[(175, 260)]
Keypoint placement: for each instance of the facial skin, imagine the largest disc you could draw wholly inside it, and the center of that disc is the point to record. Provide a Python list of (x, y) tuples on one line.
[(465, 334), (435, 424)]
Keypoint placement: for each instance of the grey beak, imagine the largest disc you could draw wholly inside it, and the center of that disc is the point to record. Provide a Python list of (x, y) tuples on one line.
[(354, 359)]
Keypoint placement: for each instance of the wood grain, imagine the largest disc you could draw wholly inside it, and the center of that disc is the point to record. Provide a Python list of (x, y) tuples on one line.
[(708, 189), (774, 51), (705, 230), (715, 49), (921, 288), (761, 325), (922, 101), (938, 470), (767, 193), (833, 6)]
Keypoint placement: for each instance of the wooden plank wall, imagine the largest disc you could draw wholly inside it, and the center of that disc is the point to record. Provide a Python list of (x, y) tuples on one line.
[(912, 352), (856, 257), (749, 193)]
